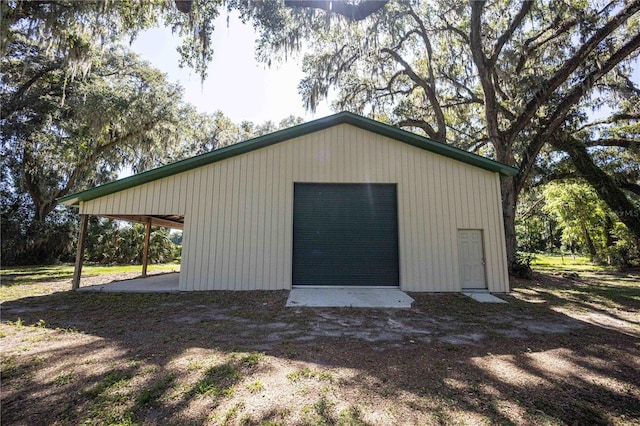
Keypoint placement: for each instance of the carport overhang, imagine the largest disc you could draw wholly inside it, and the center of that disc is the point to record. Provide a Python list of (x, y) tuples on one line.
[(167, 221)]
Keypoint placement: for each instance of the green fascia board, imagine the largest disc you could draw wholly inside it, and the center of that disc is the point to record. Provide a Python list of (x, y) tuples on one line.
[(287, 134)]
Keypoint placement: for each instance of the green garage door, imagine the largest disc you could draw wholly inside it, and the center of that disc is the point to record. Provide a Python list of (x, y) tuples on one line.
[(345, 235)]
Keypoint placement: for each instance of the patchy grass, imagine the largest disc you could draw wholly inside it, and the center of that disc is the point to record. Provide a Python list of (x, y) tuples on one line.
[(564, 350), (307, 373), (217, 381)]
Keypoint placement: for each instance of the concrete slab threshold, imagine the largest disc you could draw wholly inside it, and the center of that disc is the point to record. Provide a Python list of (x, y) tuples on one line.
[(483, 296), (160, 283), (349, 297)]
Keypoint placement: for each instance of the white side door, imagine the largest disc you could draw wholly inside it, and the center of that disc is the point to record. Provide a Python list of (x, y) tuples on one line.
[(472, 263)]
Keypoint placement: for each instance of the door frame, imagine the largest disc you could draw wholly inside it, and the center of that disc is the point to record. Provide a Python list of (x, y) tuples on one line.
[(484, 260)]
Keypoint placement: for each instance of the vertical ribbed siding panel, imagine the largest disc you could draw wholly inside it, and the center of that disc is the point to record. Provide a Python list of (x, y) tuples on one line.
[(217, 222), (270, 221), (208, 231), (226, 185), (341, 167), (146, 197), (108, 206), (90, 207), (287, 235), (281, 211), (414, 175), (234, 194), (476, 204), (254, 232), (409, 244), (421, 169), (191, 230), (445, 224), (124, 201), (247, 253), (162, 197), (154, 205), (213, 217), (195, 262), (429, 213), (454, 187), (438, 260), (452, 254), (425, 234), (239, 226), (103, 205), (199, 194), (464, 190), (258, 218)]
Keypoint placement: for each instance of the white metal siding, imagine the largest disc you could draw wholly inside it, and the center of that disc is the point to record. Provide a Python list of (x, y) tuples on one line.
[(239, 212)]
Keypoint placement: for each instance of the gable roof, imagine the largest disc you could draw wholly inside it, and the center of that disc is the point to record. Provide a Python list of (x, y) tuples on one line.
[(286, 134)]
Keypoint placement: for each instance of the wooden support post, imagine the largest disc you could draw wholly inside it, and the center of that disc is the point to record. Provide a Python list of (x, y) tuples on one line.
[(82, 237), (145, 252)]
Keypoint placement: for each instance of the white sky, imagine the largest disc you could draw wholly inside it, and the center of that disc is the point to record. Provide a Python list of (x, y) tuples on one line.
[(236, 84)]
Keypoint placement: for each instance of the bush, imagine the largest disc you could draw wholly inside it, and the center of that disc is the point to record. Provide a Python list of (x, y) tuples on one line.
[(111, 242), (29, 242), (521, 267)]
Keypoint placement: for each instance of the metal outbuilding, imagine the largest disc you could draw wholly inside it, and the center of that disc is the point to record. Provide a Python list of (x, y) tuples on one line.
[(339, 201)]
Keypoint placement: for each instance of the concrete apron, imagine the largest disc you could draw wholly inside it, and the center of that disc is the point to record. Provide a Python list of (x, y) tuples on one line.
[(349, 297), (159, 283), (483, 296)]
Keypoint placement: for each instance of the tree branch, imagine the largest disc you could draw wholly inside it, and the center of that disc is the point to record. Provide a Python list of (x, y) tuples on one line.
[(630, 186), (613, 119), (484, 68), (621, 142), (429, 130), (429, 90), (550, 86), (553, 177), (603, 184), (530, 49), (508, 33), (557, 118)]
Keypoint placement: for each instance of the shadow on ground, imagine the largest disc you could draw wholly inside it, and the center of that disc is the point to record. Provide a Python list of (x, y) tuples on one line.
[(230, 357)]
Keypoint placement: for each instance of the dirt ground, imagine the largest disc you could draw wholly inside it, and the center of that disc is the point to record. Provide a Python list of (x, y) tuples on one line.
[(562, 351)]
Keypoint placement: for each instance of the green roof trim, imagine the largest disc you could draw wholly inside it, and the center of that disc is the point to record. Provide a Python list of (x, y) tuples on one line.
[(283, 135)]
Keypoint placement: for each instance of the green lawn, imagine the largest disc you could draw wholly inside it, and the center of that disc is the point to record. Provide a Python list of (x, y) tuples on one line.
[(558, 263), (34, 274), (25, 281)]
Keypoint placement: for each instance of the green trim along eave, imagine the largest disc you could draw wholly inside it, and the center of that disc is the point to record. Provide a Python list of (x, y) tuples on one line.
[(283, 135)]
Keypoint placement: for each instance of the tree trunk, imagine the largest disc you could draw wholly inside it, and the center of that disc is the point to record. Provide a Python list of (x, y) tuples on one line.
[(509, 200), (590, 246), (509, 192)]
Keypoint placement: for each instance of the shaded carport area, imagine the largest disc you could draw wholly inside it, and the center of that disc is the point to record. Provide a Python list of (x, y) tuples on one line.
[(141, 284)]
